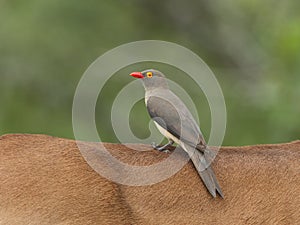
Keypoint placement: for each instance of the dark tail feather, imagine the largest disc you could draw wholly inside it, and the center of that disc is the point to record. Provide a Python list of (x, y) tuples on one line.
[(217, 186), (208, 181), (206, 173)]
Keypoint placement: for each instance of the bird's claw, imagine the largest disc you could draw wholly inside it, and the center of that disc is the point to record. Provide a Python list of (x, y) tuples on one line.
[(158, 148), (165, 151), (153, 145)]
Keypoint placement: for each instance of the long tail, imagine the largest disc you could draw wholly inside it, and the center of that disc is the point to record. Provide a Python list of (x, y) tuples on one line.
[(206, 172)]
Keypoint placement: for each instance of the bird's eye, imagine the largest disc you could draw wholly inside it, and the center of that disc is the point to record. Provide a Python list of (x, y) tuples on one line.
[(149, 74)]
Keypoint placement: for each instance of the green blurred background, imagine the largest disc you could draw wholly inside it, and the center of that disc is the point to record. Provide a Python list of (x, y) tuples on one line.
[(252, 46)]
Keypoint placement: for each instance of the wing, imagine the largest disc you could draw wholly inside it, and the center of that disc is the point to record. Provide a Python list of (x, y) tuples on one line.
[(174, 116)]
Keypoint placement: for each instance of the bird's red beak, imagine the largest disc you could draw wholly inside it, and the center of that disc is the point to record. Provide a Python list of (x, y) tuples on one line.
[(137, 75)]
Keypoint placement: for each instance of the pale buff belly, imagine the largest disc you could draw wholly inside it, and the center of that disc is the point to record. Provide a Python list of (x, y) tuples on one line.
[(167, 134)]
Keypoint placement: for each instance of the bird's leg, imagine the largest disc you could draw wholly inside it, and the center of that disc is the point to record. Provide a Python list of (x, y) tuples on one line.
[(163, 148)]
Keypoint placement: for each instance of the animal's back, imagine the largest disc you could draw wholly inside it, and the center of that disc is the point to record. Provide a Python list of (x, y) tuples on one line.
[(45, 180)]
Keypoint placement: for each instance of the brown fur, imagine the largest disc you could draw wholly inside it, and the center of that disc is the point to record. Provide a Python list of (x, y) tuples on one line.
[(45, 180)]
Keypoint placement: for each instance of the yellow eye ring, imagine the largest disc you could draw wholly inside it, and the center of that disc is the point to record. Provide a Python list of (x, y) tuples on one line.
[(149, 74)]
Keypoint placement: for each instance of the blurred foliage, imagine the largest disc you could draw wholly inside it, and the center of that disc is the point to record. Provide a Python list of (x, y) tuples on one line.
[(253, 47)]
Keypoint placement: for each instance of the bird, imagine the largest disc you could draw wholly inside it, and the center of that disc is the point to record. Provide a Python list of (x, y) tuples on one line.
[(174, 121)]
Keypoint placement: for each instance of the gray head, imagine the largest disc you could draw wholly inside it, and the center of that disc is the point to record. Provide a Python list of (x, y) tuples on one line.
[(151, 79)]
